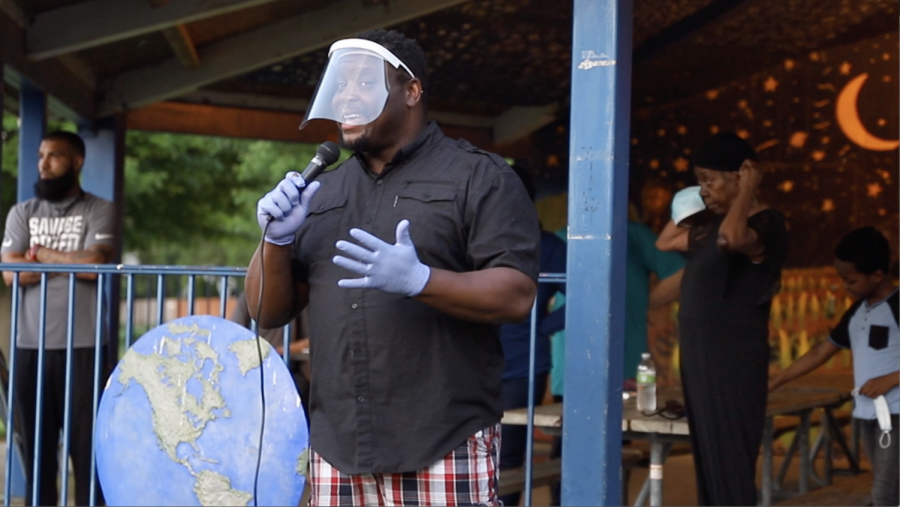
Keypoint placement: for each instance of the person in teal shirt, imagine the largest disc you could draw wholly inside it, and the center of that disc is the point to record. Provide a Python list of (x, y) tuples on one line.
[(643, 259)]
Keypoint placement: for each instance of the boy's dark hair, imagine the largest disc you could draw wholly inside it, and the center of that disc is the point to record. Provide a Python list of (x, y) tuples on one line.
[(522, 171), (404, 48), (867, 249), (73, 140)]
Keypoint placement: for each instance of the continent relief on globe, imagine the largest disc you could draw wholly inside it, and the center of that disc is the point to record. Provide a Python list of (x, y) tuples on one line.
[(180, 416)]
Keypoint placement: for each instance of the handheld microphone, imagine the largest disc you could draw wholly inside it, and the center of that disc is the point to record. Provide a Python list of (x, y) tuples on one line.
[(327, 154)]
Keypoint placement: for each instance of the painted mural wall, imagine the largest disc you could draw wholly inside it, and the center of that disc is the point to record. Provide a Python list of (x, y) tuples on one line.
[(826, 124)]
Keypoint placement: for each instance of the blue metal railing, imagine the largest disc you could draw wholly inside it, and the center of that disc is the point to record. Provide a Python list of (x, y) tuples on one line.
[(104, 273), (110, 272)]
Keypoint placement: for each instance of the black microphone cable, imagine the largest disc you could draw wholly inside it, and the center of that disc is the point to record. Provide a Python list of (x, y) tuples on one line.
[(262, 385), (327, 154)]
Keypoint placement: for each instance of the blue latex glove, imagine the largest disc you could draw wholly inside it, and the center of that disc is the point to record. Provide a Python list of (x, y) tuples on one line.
[(391, 268), (288, 205)]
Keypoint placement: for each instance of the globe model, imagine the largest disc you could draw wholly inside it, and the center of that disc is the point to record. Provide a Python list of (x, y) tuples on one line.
[(179, 420)]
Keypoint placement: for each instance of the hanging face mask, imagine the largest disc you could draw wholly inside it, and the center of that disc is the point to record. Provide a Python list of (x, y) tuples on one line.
[(354, 87), (883, 413)]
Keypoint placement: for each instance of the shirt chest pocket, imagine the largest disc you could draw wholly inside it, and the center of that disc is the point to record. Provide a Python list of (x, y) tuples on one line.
[(322, 228), (433, 214), (878, 337)]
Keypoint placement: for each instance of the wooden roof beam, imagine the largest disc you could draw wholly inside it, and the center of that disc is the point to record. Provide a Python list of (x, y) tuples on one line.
[(258, 48), (180, 41), (81, 26), (70, 92), (296, 105)]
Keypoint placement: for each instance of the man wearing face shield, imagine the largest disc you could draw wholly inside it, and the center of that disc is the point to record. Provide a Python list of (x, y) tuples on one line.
[(409, 256)]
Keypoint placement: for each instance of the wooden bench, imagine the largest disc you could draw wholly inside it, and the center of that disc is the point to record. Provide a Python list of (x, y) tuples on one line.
[(852, 490), (543, 473), (787, 423)]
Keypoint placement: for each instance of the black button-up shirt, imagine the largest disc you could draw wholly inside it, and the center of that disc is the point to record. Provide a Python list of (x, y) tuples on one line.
[(397, 384)]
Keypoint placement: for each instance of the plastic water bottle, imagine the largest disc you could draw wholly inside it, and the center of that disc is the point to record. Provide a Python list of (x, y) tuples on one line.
[(646, 384)]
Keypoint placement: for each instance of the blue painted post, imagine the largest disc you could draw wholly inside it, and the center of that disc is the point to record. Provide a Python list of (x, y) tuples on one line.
[(597, 234), (32, 115), (104, 159), (103, 175)]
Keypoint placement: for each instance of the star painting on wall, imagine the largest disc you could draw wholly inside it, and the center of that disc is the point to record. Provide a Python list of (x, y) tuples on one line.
[(873, 189)]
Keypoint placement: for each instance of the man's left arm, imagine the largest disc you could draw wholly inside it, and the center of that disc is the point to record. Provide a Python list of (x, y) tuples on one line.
[(493, 295), (504, 241)]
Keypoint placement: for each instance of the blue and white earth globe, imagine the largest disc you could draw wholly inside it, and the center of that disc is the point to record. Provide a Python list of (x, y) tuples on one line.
[(180, 417)]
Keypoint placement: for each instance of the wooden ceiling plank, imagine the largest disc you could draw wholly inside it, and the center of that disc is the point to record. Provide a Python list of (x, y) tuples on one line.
[(12, 9), (81, 26), (180, 41), (704, 17), (258, 48), (51, 76)]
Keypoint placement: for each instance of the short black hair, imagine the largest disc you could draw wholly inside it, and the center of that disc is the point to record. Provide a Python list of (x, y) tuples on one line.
[(73, 140), (407, 50), (867, 249), (725, 151), (522, 171)]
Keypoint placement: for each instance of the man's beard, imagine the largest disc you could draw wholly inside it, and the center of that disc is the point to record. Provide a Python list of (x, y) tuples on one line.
[(56, 189), (360, 144)]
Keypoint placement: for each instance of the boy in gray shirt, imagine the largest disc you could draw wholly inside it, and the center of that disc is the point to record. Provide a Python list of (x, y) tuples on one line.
[(870, 329), (62, 225)]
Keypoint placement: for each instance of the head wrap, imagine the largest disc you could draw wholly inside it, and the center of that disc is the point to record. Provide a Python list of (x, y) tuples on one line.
[(724, 151)]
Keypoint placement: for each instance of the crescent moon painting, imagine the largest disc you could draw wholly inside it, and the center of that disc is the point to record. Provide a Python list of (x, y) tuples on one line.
[(848, 118)]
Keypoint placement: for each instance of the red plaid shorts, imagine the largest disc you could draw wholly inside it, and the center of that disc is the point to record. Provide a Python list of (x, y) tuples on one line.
[(466, 476)]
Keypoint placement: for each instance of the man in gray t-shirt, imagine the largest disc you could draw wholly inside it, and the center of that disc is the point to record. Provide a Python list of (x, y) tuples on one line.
[(62, 225)]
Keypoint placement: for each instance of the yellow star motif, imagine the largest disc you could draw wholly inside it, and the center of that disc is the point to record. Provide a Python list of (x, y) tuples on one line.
[(770, 84), (681, 164), (798, 139), (828, 205), (845, 68), (874, 189)]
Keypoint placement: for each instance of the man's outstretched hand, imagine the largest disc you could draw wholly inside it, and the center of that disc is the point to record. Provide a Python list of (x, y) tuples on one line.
[(392, 268)]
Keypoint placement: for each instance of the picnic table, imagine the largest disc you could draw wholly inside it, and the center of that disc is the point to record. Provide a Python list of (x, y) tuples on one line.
[(801, 398)]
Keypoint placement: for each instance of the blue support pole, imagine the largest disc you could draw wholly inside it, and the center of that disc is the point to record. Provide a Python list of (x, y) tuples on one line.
[(597, 234), (33, 118), (103, 175), (104, 158)]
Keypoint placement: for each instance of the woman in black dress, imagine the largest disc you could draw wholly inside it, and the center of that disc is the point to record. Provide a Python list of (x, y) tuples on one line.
[(736, 249)]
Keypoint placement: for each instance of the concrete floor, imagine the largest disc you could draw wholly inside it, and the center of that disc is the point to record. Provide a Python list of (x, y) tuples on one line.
[(678, 486), (679, 483)]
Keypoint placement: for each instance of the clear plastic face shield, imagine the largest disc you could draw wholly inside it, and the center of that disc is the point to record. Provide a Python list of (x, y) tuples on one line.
[(354, 86)]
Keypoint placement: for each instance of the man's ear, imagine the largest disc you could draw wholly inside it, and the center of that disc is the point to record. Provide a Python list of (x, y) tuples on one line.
[(78, 162), (877, 276), (414, 92)]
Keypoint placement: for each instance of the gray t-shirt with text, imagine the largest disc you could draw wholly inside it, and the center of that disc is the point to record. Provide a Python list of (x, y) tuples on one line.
[(74, 224)]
